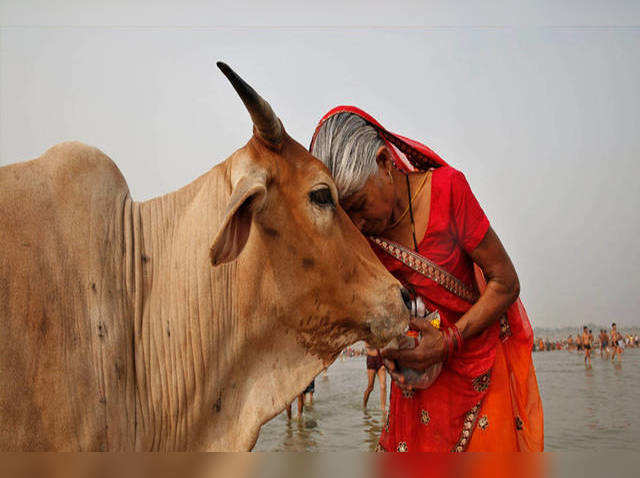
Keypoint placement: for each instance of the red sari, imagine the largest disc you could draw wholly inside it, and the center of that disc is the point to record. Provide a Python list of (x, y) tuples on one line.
[(486, 397)]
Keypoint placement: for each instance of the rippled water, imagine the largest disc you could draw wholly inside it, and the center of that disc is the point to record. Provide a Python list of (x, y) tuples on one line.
[(585, 409), (590, 409)]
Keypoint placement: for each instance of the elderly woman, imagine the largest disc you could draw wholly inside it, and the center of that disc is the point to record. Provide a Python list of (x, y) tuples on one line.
[(430, 232)]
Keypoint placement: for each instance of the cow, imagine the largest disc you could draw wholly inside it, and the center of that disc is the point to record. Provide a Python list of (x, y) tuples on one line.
[(184, 322)]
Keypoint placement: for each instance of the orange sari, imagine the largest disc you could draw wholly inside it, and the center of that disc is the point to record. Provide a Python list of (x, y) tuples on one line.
[(512, 401)]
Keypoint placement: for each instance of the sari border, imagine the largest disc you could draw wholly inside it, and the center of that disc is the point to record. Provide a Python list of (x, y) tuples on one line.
[(468, 427), (416, 159), (427, 268)]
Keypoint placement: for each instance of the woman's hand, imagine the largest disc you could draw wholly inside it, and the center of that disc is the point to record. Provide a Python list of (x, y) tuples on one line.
[(397, 376), (501, 291), (429, 351)]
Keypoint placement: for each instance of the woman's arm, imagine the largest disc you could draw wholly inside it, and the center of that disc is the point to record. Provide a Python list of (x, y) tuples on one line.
[(502, 290)]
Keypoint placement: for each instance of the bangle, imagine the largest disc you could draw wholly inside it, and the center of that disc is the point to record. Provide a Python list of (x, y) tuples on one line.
[(445, 346), (452, 340), (448, 343), (457, 337)]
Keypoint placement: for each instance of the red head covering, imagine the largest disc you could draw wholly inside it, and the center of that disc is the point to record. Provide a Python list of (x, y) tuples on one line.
[(407, 155)]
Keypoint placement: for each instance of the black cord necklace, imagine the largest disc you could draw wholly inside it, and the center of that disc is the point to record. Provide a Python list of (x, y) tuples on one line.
[(413, 224)]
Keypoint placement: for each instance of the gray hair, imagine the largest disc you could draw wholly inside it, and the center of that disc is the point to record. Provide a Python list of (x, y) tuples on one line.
[(347, 145)]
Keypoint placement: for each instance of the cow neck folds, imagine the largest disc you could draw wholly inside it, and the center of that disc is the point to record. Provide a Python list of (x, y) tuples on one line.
[(212, 363)]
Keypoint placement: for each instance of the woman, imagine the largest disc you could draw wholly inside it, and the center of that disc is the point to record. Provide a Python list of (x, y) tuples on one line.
[(429, 230)]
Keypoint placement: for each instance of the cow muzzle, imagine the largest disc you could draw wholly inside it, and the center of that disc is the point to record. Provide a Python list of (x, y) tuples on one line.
[(392, 322)]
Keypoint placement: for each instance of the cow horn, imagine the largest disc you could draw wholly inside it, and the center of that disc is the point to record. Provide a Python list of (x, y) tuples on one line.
[(265, 121)]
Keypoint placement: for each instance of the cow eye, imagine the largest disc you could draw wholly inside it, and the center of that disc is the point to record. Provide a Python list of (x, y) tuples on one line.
[(322, 197)]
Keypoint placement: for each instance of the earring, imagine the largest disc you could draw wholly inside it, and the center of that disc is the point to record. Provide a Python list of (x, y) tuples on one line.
[(389, 172)]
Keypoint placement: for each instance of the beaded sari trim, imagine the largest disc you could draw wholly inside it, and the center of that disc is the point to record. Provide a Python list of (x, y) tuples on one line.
[(427, 268)]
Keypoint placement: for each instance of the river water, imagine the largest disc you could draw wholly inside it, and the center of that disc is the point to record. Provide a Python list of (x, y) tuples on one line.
[(585, 409)]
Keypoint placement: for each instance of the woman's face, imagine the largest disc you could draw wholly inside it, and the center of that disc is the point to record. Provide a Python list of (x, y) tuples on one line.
[(371, 208)]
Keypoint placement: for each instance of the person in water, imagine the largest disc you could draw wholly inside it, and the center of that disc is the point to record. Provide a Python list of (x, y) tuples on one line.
[(308, 392), (604, 344), (616, 343), (430, 232), (586, 340), (375, 367)]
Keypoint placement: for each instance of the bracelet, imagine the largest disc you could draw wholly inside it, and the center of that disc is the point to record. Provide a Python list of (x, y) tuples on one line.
[(448, 344), (452, 341), (458, 337)]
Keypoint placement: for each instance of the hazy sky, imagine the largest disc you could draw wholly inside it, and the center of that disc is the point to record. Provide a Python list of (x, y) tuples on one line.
[(538, 106)]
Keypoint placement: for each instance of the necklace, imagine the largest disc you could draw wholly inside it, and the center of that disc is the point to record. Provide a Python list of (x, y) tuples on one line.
[(409, 208), (413, 224)]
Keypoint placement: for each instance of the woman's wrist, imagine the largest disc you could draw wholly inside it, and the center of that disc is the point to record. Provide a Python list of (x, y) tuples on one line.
[(457, 338), (452, 342), (461, 325), (448, 346)]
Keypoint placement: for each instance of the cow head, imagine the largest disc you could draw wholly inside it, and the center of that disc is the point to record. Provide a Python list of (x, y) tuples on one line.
[(320, 274)]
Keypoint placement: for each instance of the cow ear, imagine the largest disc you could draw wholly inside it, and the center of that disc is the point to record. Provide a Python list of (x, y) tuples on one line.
[(247, 197)]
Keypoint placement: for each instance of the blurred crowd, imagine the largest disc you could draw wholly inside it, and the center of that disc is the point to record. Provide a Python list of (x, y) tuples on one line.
[(577, 343)]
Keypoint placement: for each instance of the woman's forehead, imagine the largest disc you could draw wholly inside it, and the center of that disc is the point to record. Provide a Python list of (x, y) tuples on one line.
[(356, 199)]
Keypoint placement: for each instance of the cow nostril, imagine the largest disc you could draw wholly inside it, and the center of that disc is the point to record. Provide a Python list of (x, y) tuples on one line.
[(406, 297)]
